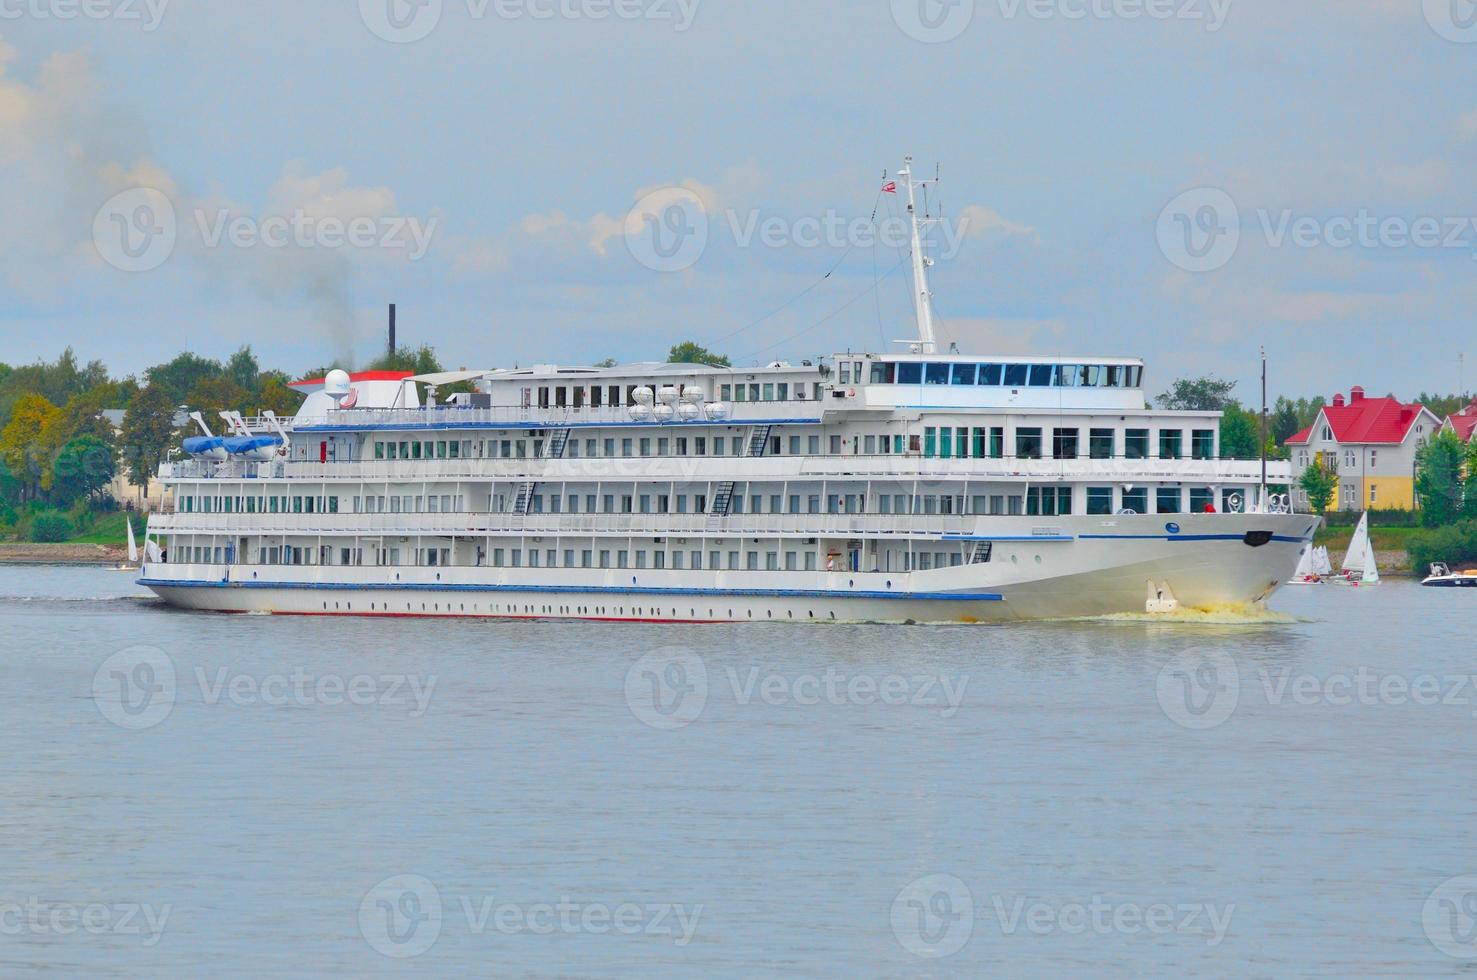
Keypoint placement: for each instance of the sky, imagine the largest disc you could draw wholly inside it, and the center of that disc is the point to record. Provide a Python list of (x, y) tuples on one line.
[(559, 181)]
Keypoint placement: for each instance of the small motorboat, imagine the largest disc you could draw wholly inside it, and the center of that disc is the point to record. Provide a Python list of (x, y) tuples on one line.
[(1442, 577)]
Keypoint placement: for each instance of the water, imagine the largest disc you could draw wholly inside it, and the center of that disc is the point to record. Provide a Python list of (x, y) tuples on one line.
[(1094, 779)]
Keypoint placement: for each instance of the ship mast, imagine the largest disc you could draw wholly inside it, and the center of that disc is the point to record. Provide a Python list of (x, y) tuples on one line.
[(922, 299)]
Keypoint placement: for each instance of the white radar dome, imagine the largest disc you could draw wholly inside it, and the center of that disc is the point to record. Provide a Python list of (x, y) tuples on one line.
[(337, 383)]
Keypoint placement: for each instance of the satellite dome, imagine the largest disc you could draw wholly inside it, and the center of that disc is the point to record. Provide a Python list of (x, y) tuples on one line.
[(337, 383)]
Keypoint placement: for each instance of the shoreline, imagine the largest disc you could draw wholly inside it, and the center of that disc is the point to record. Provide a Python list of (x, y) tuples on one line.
[(23, 553)]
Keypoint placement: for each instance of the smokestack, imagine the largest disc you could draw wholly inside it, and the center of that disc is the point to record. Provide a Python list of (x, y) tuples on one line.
[(392, 329)]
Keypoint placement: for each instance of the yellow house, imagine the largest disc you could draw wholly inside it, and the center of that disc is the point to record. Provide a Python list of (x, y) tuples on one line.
[(1370, 443)]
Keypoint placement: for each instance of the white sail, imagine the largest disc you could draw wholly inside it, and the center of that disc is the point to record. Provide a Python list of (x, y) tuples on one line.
[(1321, 565), (1305, 565), (1358, 546), (132, 544), (1371, 570)]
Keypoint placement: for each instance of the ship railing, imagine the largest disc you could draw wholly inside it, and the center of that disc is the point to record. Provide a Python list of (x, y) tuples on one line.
[(515, 416), (712, 468), (653, 525)]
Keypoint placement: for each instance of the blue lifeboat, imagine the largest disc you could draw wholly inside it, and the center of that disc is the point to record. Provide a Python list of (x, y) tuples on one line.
[(252, 447), (206, 447)]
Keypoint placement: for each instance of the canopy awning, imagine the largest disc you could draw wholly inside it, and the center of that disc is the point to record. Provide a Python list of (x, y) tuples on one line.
[(449, 377)]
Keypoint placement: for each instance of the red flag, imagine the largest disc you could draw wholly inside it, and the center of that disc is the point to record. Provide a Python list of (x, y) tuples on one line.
[(890, 187)]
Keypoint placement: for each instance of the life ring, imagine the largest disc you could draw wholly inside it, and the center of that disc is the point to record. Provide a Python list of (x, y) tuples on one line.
[(850, 392), (351, 400)]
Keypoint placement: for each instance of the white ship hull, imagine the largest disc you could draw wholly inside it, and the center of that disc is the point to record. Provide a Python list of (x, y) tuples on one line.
[(1092, 566)]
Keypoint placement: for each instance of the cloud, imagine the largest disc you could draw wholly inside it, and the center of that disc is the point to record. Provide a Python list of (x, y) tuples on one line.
[(977, 221)]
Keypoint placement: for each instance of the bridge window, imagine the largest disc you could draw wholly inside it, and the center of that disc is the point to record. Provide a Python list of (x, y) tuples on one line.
[(963, 374), (990, 374), (1015, 375), (936, 374), (909, 373), (1041, 375)]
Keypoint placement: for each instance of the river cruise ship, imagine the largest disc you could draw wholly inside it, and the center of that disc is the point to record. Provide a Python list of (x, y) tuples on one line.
[(893, 487)]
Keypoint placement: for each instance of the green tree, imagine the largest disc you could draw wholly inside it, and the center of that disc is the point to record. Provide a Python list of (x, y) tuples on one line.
[(1438, 479), (1285, 422), (418, 360), (82, 470), (148, 429), (25, 444), (180, 376), (1319, 484), (50, 527), (609, 362), (688, 352), (1240, 433), (243, 369), (1197, 395)]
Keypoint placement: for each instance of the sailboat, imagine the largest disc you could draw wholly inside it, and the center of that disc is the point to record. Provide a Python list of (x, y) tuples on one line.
[(1306, 573), (1321, 565), (1359, 565), (132, 563)]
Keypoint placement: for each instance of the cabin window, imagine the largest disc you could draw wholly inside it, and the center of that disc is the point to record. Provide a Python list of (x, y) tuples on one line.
[(1048, 501), (930, 441), (1100, 500), (1170, 443), (1167, 500), (1200, 499), (1028, 443), (1136, 500), (1064, 444), (1100, 444), (782, 391), (1202, 443), (1136, 444)]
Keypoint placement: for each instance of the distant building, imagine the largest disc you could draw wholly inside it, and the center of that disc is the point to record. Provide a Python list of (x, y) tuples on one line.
[(1463, 422), (1370, 443)]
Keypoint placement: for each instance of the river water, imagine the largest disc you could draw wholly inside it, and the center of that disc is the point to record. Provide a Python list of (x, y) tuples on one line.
[(251, 795)]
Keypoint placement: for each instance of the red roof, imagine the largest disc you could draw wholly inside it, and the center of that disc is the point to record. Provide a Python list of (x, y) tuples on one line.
[(1365, 420), (1463, 422), (360, 376)]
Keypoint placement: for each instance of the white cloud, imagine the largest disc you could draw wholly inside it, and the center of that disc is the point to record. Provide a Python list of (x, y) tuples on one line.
[(977, 221)]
